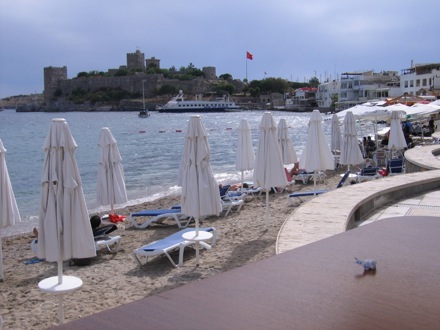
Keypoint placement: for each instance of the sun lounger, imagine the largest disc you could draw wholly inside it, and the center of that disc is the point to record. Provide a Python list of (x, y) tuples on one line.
[(231, 199), (319, 192), (158, 216), (108, 242), (171, 243), (102, 238), (396, 166), (368, 173), (307, 176)]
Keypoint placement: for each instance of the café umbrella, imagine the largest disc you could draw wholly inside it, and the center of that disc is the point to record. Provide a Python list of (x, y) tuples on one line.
[(9, 213), (245, 157), (64, 227), (200, 192), (317, 155), (111, 182), (288, 153), (350, 152), (269, 169)]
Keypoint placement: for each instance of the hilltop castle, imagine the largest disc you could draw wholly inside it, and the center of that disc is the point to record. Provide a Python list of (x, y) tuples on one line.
[(58, 88)]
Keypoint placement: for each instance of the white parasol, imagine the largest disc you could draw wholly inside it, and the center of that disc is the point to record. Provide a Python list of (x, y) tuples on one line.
[(65, 230), (396, 140), (350, 153), (245, 151), (269, 170), (336, 134), (111, 182), (200, 192), (317, 155), (288, 153), (9, 213)]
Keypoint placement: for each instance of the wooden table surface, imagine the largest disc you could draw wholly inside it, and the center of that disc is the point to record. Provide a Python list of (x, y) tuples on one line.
[(317, 286)]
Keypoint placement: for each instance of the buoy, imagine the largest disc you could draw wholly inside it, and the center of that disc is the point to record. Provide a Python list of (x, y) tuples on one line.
[(178, 130)]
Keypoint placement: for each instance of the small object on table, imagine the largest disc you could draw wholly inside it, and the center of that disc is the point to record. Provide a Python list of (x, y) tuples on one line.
[(368, 264)]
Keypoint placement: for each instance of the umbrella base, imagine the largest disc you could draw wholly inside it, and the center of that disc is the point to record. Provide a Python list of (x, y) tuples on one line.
[(68, 284)]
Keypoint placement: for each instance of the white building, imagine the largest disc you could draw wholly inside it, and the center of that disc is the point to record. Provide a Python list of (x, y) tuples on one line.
[(327, 94), (360, 87), (420, 79)]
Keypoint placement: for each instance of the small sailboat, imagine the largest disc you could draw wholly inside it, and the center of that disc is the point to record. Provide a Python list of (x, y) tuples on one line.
[(144, 113)]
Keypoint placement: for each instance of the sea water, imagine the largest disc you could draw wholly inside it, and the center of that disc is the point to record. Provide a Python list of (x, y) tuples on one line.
[(151, 149)]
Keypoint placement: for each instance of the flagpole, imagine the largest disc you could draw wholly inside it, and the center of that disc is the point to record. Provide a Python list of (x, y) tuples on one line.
[(246, 59)]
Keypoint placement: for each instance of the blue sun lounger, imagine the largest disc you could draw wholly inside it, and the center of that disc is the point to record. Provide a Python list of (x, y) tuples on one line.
[(170, 243), (158, 216), (319, 192)]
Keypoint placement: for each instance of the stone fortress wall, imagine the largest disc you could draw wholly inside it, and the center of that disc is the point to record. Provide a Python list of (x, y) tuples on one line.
[(55, 78)]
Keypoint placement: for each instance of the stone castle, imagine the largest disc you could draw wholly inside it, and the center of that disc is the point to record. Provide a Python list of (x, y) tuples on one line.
[(57, 87)]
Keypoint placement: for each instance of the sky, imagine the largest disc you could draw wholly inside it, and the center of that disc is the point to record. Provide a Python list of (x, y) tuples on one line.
[(289, 39)]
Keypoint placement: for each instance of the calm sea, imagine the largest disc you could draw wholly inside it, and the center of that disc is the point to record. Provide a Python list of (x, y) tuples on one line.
[(151, 149)]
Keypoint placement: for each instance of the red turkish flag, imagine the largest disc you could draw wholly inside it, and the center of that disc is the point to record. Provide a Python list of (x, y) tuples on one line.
[(249, 56)]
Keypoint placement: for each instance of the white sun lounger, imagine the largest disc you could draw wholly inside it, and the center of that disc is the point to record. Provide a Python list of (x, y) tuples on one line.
[(108, 241), (170, 243), (158, 216)]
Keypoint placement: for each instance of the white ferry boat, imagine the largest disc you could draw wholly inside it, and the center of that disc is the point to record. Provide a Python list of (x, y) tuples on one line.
[(179, 104)]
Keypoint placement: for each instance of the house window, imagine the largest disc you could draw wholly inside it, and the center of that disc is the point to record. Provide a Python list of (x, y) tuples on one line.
[(411, 83), (418, 83), (406, 83), (424, 82)]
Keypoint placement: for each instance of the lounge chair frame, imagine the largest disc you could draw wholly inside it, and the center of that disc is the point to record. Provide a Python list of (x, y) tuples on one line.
[(108, 242), (171, 243), (319, 192), (158, 216)]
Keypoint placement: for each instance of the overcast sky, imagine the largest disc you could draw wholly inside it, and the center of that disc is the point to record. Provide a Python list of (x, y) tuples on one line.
[(289, 39)]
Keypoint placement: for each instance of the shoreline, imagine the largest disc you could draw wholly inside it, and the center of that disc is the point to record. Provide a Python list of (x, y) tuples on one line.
[(115, 279)]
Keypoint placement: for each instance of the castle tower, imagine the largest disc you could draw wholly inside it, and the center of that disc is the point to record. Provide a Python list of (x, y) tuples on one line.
[(52, 77), (209, 72), (152, 61), (136, 60)]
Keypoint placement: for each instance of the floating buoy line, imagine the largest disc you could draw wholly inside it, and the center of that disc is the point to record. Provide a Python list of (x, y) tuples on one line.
[(180, 131)]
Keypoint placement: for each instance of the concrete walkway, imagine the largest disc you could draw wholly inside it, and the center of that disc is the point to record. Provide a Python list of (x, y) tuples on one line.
[(415, 193)]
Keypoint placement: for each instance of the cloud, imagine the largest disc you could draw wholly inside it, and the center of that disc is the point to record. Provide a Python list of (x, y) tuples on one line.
[(289, 38)]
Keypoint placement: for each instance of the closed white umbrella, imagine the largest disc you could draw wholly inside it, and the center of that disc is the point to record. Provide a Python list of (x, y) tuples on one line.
[(336, 134), (350, 153), (269, 169), (65, 230), (245, 158), (111, 181), (9, 213), (288, 153), (396, 140), (200, 191), (317, 155)]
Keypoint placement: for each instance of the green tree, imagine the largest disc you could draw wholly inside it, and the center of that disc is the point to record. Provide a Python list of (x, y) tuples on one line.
[(167, 90), (225, 76), (314, 82), (121, 72)]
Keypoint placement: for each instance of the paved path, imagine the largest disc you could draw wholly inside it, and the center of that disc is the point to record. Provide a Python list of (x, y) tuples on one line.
[(332, 213)]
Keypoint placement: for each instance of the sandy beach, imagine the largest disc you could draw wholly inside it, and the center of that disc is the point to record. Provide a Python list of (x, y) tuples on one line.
[(115, 279)]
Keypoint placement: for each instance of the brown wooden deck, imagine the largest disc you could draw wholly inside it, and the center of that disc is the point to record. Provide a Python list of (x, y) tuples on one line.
[(316, 286)]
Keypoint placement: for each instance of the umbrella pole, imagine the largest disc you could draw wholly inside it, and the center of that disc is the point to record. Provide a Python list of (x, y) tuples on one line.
[(197, 242), (266, 215), (60, 309), (242, 181), (314, 182), (60, 260), (1, 258)]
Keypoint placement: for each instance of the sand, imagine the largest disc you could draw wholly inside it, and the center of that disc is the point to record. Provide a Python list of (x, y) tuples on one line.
[(115, 279)]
